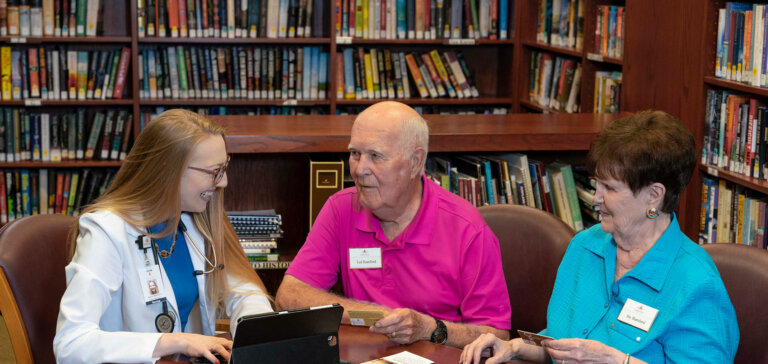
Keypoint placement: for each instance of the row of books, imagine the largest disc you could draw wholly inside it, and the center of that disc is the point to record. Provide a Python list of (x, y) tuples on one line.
[(609, 31), (607, 92), (735, 134), (560, 23), (26, 192), (147, 114), (555, 82), (184, 72), (742, 50), (730, 215), (422, 19), (258, 232), (511, 178), (55, 137), (230, 18), (375, 73), (73, 18), (63, 74)]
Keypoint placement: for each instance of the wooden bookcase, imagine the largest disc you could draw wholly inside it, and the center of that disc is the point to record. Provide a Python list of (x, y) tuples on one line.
[(711, 82), (591, 62), (667, 51)]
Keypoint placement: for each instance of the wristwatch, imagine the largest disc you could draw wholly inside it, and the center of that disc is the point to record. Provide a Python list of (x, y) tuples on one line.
[(440, 335)]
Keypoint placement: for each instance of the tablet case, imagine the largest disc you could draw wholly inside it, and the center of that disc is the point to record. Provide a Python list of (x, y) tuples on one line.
[(308, 335)]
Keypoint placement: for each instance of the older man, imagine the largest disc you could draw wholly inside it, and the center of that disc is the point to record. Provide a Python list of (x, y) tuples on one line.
[(402, 244)]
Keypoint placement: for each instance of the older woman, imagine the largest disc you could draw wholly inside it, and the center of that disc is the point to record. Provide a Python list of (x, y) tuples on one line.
[(633, 289)]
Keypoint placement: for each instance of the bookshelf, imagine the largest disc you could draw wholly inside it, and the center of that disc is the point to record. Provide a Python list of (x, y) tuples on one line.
[(657, 68), (591, 62), (751, 186)]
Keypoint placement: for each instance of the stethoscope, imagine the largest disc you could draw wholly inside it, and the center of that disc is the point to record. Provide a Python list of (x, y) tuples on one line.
[(165, 321)]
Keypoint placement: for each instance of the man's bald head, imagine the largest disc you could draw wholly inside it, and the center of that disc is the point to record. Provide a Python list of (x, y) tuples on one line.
[(398, 118)]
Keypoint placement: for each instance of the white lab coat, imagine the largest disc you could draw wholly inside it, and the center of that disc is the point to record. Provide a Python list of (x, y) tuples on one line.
[(103, 316)]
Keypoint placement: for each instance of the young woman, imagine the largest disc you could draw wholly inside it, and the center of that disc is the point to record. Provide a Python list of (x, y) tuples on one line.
[(155, 260)]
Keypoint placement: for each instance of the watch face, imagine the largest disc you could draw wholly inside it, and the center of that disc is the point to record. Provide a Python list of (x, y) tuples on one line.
[(441, 338)]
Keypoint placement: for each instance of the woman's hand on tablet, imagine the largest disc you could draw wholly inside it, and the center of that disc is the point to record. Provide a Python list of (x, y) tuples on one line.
[(193, 345)]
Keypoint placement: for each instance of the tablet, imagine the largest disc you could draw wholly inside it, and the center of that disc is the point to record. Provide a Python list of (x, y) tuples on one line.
[(308, 335)]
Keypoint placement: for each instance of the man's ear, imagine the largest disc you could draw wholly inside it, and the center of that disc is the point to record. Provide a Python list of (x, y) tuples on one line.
[(418, 158)]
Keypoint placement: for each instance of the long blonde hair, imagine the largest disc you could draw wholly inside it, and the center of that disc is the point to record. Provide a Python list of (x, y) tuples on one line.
[(146, 191)]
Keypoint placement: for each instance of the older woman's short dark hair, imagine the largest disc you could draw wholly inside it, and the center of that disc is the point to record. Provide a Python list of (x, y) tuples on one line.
[(645, 148)]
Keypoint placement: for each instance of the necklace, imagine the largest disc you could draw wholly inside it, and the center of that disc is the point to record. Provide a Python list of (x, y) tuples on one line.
[(167, 253)]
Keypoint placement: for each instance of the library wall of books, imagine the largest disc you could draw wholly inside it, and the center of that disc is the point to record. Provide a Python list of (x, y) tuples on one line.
[(79, 79), (734, 138)]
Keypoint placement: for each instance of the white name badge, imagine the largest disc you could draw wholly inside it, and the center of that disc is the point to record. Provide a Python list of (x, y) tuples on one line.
[(365, 258), (638, 315), (150, 277)]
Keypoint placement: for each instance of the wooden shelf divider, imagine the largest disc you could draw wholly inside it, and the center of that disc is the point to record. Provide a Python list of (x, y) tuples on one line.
[(448, 133)]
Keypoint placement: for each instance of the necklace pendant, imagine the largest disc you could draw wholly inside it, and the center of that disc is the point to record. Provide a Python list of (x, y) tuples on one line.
[(164, 254)]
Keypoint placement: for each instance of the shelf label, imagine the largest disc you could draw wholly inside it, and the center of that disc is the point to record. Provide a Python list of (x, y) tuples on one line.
[(343, 40), (291, 102), (461, 41), (33, 102), (594, 57), (18, 40), (712, 171)]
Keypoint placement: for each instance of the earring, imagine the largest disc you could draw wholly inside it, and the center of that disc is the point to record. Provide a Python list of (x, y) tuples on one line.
[(652, 213)]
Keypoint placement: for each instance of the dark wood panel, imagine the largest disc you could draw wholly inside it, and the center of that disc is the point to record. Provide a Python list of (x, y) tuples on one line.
[(756, 184), (38, 102), (231, 102), (435, 101), (663, 69), (562, 51), (253, 41), (325, 133), (599, 58), (451, 42), (63, 164), (34, 40), (737, 86)]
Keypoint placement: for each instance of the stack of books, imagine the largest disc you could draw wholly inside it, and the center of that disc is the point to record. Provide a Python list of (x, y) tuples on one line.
[(258, 232)]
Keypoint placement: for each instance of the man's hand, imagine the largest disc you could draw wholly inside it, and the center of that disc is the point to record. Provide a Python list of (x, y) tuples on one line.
[(405, 326)]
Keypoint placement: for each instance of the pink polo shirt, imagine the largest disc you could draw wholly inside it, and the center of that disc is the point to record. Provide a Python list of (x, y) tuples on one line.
[(446, 263)]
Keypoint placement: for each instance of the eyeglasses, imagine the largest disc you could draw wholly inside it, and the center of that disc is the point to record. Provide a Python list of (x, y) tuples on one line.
[(218, 173)]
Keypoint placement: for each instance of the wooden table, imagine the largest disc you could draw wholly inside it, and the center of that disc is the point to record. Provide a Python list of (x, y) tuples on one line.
[(357, 345)]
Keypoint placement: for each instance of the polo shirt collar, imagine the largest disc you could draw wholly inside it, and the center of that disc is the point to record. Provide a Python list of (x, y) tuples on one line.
[(656, 263), (653, 268), (418, 231)]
